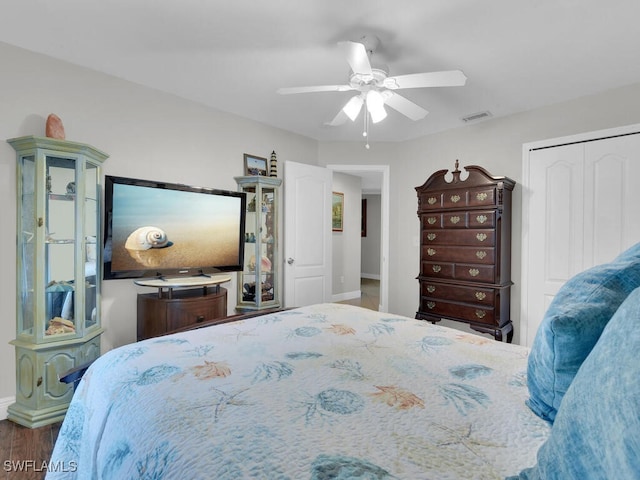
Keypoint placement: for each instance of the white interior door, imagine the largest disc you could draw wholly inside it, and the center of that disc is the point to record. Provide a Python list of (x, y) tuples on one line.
[(578, 202), (307, 234)]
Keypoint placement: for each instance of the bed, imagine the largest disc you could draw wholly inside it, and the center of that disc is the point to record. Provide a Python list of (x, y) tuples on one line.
[(320, 392), (338, 392)]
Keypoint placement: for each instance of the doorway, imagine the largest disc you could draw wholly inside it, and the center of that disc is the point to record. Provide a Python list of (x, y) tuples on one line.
[(375, 179)]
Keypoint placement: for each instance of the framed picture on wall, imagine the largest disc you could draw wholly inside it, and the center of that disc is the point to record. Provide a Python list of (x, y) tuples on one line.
[(337, 211), (255, 166)]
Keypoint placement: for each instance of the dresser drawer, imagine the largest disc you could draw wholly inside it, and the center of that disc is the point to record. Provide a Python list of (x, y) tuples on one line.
[(470, 313), (463, 272), (457, 293), (437, 270), (482, 196), (429, 201), (454, 199), (467, 237), (474, 197), (193, 311), (475, 273), (443, 253), (459, 219), (482, 219)]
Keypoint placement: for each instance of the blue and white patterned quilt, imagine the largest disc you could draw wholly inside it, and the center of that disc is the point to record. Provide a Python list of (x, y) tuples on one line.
[(321, 392)]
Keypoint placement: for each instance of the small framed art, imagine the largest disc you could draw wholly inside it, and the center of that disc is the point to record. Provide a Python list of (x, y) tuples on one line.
[(337, 211), (255, 166)]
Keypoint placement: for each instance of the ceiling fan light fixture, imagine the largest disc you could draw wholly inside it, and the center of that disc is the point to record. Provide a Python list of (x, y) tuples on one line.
[(375, 106), (353, 107)]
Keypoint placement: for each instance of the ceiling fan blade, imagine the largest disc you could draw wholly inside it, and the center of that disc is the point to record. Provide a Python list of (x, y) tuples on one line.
[(450, 78), (404, 106), (357, 57), (319, 88), (339, 119)]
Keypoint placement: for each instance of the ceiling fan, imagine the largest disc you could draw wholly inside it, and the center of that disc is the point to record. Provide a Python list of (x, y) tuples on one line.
[(376, 88)]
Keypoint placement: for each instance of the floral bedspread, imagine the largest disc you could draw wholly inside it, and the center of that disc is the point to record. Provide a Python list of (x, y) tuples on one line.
[(321, 392)]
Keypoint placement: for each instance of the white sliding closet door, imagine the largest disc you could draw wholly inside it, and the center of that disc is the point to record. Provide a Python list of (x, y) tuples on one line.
[(580, 208)]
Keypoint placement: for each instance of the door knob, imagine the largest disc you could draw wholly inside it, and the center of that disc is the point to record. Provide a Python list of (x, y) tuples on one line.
[(290, 261)]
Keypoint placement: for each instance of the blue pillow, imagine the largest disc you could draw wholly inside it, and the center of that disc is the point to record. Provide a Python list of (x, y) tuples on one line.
[(572, 325), (596, 434)]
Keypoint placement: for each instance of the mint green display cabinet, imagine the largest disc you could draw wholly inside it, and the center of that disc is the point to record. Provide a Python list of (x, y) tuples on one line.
[(258, 282), (59, 272)]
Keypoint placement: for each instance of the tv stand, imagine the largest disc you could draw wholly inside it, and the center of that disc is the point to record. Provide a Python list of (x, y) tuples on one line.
[(196, 300)]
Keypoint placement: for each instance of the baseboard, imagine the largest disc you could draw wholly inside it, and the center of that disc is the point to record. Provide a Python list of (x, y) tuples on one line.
[(371, 276), (341, 297), (4, 404)]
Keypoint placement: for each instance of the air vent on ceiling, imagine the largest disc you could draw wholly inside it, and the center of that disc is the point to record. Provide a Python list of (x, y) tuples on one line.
[(476, 116)]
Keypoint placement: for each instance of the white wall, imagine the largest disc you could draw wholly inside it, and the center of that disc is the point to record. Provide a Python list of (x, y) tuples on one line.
[(370, 254), (346, 244), (495, 144), (148, 134)]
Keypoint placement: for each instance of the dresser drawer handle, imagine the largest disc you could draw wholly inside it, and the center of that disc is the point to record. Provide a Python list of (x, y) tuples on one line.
[(432, 200), (481, 295), (482, 218), (431, 220), (481, 236), (482, 196), (474, 272), (431, 288), (455, 219), (481, 254), (437, 268), (431, 252), (455, 198), (431, 305), (200, 318), (480, 313), (431, 237)]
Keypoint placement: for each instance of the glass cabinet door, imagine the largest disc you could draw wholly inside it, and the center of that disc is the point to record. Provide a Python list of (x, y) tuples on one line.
[(27, 246), (60, 246), (90, 253)]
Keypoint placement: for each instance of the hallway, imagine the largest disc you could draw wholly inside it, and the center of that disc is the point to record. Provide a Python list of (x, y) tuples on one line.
[(369, 295)]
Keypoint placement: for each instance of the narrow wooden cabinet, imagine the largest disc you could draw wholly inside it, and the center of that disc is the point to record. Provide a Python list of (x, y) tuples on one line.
[(169, 311), (465, 250)]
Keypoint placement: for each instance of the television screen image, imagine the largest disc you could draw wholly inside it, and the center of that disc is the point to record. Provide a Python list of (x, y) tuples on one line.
[(157, 229)]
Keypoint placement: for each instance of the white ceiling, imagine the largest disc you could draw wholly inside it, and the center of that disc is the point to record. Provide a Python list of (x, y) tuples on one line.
[(234, 54)]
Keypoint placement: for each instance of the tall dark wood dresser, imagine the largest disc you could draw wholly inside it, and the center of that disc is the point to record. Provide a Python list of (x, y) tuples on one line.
[(465, 250)]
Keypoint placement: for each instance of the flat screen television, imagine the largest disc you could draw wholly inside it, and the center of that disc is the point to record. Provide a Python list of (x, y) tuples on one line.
[(160, 229)]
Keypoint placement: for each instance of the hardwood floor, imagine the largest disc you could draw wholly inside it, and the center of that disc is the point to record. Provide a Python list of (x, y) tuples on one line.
[(369, 295), (25, 452)]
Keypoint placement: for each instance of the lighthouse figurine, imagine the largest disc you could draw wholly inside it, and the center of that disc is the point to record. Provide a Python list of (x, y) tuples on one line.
[(273, 168)]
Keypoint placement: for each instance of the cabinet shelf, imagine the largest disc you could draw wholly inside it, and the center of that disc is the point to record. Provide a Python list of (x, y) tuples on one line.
[(67, 197)]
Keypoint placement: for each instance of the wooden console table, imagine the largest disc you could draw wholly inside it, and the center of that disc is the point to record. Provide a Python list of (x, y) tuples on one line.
[(180, 304)]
